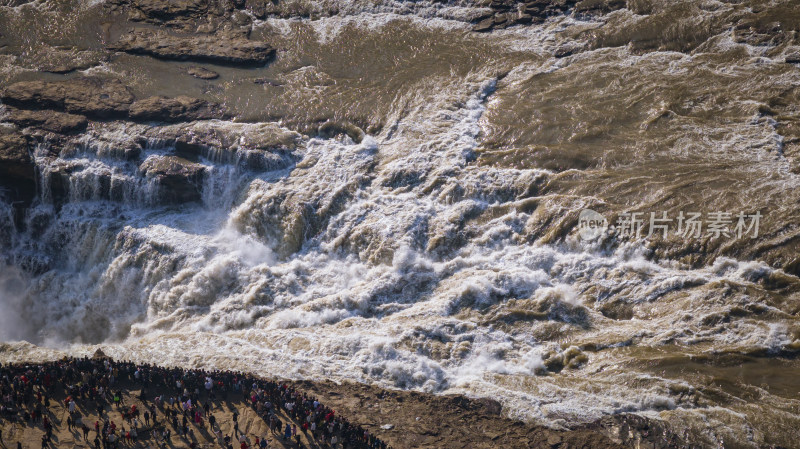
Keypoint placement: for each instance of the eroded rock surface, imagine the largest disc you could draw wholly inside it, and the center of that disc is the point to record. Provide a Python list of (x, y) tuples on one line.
[(179, 179), (202, 73), (95, 97), (176, 109), (57, 122), (212, 48)]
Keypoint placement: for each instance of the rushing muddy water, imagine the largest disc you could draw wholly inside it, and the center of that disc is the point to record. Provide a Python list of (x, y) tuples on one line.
[(397, 198)]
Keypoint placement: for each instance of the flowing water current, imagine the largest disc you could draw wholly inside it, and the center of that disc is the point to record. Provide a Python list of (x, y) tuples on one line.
[(436, 247)]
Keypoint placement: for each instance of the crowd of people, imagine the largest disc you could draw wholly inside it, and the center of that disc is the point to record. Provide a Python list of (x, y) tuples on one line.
[(174, 402)]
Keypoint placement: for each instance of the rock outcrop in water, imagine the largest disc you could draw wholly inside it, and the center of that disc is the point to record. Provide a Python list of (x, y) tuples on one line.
[(178, 109), (202, 73), (40, 104), (52, 121), (257, 147), (505, 13), (179, 179), (180, 14), (211, 15), (66, 59), (210, 48), (91, 96)]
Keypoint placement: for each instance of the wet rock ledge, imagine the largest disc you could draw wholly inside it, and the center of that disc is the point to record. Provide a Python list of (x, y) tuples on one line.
[(207, 48), (504, 13), (102, 99)]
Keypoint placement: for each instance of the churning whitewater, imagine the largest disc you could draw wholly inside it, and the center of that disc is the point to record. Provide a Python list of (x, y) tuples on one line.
[(395, 200)]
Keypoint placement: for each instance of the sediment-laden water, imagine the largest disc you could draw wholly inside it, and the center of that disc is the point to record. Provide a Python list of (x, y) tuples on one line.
[(394, 198)]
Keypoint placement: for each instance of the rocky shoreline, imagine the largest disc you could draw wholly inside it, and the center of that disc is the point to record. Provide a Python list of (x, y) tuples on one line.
[(403, 419)]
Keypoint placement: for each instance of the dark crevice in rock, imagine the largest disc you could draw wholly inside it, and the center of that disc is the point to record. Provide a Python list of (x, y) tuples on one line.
[(17, 168)]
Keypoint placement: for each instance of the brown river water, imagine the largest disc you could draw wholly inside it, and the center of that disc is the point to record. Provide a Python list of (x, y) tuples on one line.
[(425, 232)]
